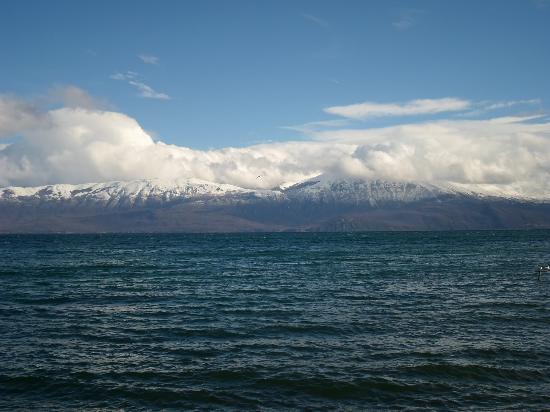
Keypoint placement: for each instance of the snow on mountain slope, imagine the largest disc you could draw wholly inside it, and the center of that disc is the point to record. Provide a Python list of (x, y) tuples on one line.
[(136, 192), (320, 189), (325, 188), (511, 192)]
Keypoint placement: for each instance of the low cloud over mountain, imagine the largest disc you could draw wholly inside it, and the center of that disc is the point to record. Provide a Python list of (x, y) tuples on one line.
[(501, 155)]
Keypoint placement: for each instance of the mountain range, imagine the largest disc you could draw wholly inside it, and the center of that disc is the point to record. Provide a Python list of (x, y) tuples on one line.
[(322, 203)]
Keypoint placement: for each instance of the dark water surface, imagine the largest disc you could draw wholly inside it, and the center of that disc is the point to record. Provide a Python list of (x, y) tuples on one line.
[(275, 321)]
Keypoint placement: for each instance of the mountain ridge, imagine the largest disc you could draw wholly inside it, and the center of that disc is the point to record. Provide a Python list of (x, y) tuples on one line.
[(321, 203), (316, 188)]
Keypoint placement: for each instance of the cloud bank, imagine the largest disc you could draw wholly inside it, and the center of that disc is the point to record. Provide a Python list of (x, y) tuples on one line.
[(77, 145)]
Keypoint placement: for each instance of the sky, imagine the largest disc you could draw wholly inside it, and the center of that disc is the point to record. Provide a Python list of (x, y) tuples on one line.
[(206, 82)]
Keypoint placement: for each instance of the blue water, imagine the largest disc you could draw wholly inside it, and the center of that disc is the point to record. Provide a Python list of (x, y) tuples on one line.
[(275, 321)]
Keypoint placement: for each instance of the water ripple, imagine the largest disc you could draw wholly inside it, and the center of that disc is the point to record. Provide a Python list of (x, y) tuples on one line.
[(312, 321)]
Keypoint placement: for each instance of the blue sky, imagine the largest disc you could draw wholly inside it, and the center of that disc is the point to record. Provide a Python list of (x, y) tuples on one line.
[(233, 73)]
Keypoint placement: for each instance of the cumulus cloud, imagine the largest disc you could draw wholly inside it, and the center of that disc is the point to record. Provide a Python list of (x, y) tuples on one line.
[(144, 90), (506, 154), (17, 116), (77, 145), (414, 107), (73, 96), (74, 145)]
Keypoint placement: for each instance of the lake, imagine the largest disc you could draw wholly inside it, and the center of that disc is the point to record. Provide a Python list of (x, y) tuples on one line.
[(354, 321)]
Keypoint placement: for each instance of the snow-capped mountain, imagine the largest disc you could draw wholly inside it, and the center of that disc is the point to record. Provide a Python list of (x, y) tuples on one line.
[(325, 188), (321, 189), (126, 194), (320, 203)]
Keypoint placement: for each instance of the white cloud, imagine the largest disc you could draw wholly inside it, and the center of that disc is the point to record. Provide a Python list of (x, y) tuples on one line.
[(17, 116), (315, 19), (147, 91), (414, 107), (313, 127), (144, 90), (406, 19), (118, 76), (74, 145), (149, 59), (509, 103), (403, 23), (541, 4), (72, 96), (509, 153), (484, 107)]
